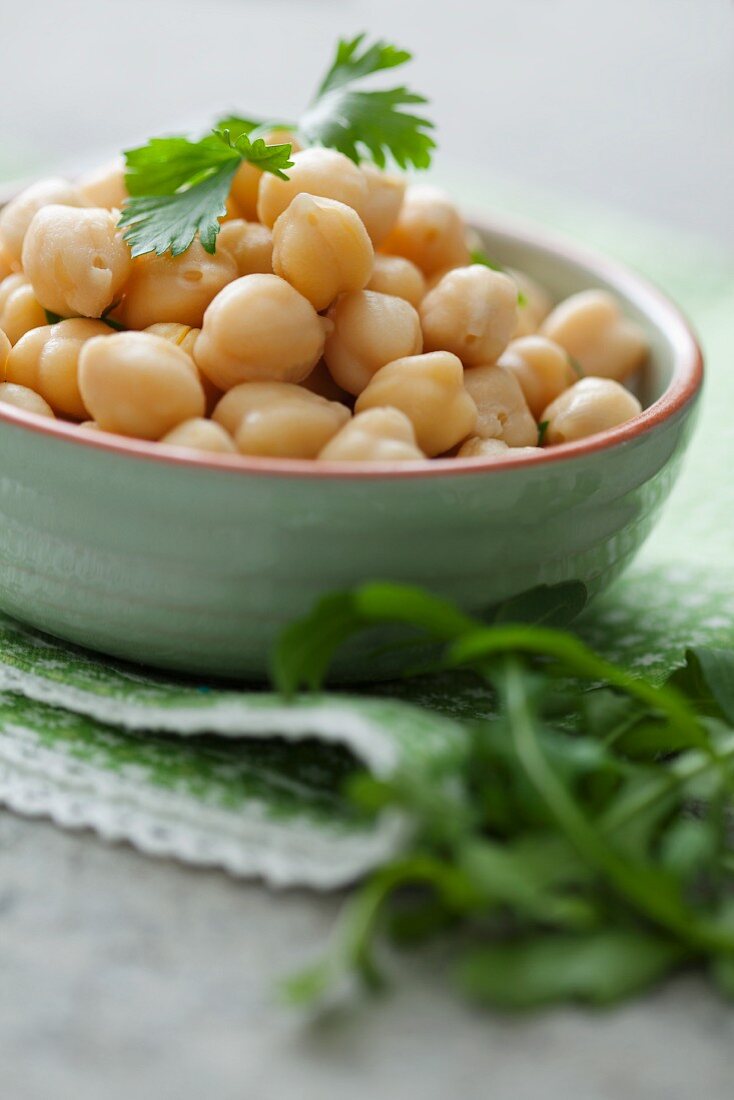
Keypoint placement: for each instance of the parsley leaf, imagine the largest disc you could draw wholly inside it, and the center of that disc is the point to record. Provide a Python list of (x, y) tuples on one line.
[(575, 365), (580, 849), (163, 223), (358, 122), (348, 65), (179, 187), (479, 256)]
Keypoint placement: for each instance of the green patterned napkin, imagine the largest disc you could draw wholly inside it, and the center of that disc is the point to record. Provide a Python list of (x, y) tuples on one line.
[(254, 784)]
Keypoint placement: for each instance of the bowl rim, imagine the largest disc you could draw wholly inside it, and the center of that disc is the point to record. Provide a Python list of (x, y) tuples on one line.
[(682, 390)]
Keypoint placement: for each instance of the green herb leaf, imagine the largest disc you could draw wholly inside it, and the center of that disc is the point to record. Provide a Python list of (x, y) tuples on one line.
[(598, 969), (304, 651), (546, 605), (575, 365), (362, 123), (169, 223), (542, 430), (707, 678), (478, 256), (179, 188), (584, 843), (349, 65)]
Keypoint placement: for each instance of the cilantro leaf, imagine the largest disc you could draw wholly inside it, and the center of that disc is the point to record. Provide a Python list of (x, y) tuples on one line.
[(165, 165), (575, 365), (707, 678), (581, 849), (359, 123), (547, 605), (268, 158), (237, 126), (598, 969), (179, 187), (479, 256), (348, 65), (162, 223)]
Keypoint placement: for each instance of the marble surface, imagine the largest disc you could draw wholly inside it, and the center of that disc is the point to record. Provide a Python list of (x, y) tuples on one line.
[(121, 976)]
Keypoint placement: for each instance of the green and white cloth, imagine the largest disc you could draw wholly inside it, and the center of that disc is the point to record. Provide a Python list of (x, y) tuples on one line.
[(242, 780)]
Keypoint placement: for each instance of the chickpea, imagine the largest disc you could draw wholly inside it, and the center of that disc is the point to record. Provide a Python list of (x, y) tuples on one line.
[(7, 265), (16, 217), (138, 385), (246, 182), (322, 172), (399, 277), (105, 186), (19, 310), (534, 304), (76, 260), (369, 331), (433, 280), (320, 381), (377, 435), (185, 337), (47, 360), (259, 329), (5, 347), (472, 312), (249, 244), (322, 249), (279, 419), (175, 288), (23, 398), (429, 231), (541, 367), (200, 435), (476, 447), (232, 212), (591, 327), (591, 405), (385, 193), (503, 410), (429, 389)]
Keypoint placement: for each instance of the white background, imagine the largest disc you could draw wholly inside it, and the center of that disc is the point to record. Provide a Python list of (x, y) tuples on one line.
[(629, 102)]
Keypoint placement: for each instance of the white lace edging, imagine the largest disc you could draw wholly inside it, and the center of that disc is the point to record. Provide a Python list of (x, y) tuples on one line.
[(40, 782)]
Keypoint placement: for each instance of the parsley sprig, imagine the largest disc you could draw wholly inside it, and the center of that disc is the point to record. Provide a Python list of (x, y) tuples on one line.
[(368, 124), (584, 852), (179, 187)]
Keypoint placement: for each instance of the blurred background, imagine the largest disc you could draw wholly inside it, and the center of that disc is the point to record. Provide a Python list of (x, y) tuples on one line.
[(628, 103)]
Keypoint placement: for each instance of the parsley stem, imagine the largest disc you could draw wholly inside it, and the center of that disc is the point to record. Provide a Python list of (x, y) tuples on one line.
[(653, 894), (581, 661)]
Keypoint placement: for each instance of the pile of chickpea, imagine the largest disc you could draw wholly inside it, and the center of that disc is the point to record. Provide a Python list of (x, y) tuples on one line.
[(340, 319)]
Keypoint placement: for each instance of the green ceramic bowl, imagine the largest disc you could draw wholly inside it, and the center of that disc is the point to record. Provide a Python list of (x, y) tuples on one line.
[(196, 563)]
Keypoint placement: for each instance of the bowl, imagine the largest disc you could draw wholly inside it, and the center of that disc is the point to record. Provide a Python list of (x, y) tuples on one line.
[(196, 563)]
